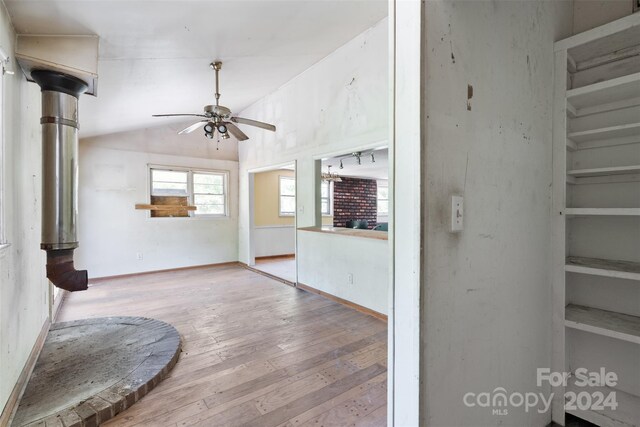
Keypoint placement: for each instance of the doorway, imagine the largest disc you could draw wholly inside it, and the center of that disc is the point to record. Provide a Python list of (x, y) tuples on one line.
[(273, 222)]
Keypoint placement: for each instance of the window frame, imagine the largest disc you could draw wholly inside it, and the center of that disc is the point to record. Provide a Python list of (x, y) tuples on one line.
[(378, 199), (329, 198), (190, 190), (280, 196)]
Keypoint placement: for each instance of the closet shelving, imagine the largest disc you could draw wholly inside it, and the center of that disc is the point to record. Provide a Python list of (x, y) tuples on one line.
[(596, 200)]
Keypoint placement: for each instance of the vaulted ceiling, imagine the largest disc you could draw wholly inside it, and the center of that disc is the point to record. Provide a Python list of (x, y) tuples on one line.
[(154, 55)]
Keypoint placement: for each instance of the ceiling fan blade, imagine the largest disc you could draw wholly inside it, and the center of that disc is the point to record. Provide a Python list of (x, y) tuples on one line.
[(193, 127), (237, 133), (255, 123), (177, 115)]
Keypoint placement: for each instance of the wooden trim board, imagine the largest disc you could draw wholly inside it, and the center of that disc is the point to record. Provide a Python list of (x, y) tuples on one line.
[(344, 302), (18, 389), (192, 267), (285, 256), (270, 276), (57, 305)]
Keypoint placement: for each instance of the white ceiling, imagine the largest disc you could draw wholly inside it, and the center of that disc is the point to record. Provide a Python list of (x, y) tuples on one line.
[(366, 169), (154, 55)]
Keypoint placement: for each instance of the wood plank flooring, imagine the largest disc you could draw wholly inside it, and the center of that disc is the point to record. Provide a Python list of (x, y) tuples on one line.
[(283, 267), (255, 351)]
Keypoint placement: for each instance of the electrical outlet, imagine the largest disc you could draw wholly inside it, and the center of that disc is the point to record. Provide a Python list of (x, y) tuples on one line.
[(350, 278), (457, 214), (139, 256)]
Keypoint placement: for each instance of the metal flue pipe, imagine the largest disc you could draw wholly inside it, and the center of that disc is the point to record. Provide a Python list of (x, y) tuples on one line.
[(59, 121)]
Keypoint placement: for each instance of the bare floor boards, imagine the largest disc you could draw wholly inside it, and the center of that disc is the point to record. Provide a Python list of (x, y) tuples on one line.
[(255, 352)]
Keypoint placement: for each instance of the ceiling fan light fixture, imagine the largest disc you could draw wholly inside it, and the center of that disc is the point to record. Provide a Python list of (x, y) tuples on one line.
[(215, 116)]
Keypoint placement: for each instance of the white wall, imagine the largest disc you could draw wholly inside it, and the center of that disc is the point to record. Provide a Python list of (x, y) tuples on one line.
[(111, 232), (335, 257), (273, 240), (486, 319), (24, 289), (339, 104), (589, 14)]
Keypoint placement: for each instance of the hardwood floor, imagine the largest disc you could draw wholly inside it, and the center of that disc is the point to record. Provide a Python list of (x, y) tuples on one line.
[(255, 351), (283, 267)]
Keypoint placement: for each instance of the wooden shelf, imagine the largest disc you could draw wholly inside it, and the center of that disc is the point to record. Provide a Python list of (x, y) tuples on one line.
[(602, 211), (603, 267), (602, 322), (165, 207), (608, 92), (615, 170), (631, 129), (627, 414)]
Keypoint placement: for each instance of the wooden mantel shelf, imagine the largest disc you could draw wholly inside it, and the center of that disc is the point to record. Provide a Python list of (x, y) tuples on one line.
[(165, 207), (353, 232)]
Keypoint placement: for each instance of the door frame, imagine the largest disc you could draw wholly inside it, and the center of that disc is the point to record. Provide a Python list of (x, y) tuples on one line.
[(406, 232), (250, 174)]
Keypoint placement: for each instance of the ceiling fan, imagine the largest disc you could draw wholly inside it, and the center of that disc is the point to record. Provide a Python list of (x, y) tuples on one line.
[(219, 118)]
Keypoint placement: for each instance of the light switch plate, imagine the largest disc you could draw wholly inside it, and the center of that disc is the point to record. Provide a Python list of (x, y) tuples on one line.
[(457, 214)]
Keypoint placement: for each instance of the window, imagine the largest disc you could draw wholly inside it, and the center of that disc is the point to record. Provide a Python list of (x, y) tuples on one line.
[(287, 196), (325, 197), (207, 191), (383, 200)]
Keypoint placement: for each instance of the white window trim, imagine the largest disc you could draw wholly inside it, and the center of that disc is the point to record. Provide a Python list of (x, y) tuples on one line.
[(378, 213), (190, 172), (280, 196), (330, 214)]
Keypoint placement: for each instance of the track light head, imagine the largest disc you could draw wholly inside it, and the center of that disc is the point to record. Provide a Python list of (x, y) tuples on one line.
[(209, 127), (222, 129)]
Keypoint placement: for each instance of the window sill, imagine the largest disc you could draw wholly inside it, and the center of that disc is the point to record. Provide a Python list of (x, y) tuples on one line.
[(188, 218), (350, 232)]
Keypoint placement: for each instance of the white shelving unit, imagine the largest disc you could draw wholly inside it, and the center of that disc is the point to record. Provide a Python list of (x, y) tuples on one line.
[(602, 211), (608, 132), (604, 171), (603, 322), (626, 414), (604, 96), (596, 152), (603, 267)]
